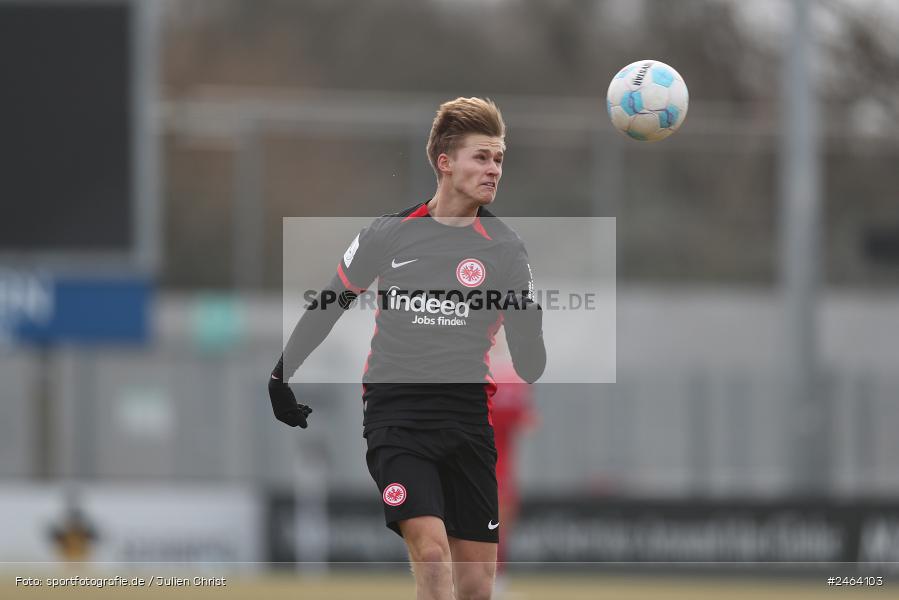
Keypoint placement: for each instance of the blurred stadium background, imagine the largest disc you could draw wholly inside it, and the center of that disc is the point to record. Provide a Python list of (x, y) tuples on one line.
[(151, 150)]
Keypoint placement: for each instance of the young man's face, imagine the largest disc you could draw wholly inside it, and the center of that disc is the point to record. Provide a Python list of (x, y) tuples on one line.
[(476, 167)]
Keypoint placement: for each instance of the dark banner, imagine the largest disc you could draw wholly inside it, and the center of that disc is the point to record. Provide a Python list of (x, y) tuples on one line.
[(66, 147), (628, 531), (736, 531)]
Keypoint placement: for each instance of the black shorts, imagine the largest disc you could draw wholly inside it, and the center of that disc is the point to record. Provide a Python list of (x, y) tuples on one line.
[(447, 473)]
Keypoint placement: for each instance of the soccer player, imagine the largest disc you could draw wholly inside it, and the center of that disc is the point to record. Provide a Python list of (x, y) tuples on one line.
[(427, 385)]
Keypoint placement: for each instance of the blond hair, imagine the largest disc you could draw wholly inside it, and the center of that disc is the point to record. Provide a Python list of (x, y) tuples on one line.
[(457, 118)]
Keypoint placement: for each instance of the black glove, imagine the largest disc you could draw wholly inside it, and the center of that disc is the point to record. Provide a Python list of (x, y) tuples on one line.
[(523, 316), (284, 403)]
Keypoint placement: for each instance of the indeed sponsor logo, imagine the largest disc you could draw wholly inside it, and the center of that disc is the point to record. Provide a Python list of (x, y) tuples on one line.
[(422, 303)]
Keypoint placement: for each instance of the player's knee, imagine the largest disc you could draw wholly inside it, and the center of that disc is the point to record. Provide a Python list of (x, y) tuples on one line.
[(429, 552), (476, 582)]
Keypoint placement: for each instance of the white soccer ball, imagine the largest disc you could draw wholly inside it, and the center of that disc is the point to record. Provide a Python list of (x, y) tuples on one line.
[(647, 100)]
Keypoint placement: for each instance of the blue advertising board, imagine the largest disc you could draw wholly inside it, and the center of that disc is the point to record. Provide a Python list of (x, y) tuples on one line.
[(40, 309)]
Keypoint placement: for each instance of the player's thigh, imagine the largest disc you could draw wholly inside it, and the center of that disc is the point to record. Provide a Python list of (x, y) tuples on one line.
[(409, 483), (469, 479), (468, 551)]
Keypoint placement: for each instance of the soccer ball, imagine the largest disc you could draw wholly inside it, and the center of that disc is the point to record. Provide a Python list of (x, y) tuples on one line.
[(647, 100)]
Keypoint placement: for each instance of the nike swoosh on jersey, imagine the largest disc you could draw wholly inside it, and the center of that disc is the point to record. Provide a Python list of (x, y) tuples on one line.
[(397, 265), (490, 525)]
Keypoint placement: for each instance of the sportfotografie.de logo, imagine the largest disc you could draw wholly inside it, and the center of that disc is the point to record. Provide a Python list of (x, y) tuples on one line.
[(449, 302)]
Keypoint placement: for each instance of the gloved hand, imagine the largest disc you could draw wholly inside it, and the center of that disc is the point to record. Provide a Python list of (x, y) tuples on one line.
[(284, 403), (523, 316)]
